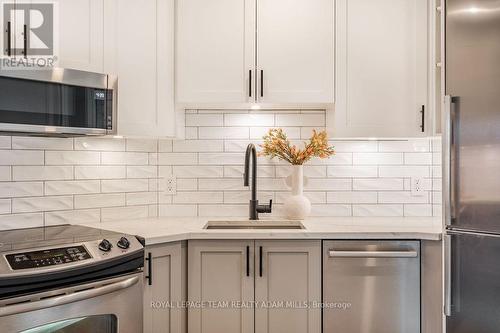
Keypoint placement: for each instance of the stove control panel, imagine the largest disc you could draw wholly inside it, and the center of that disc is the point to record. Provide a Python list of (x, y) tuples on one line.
[(49, 257)]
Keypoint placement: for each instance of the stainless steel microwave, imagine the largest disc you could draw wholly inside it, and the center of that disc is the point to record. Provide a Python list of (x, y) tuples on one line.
[(57, 102)]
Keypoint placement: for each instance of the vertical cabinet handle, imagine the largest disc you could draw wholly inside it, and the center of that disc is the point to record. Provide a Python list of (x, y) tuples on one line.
[(9, 39), (260, 261), (149, 277), (261, 83), (422, 121), (447, 275), (25, 40), (250, 83), (248, 260)]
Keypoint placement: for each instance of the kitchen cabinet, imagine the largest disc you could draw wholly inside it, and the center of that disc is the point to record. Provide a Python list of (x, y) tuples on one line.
[(139, 49), (79, 25), (81, 34), (381, 68), (254, 272), (245, 51), (288, 271), (165, 288)]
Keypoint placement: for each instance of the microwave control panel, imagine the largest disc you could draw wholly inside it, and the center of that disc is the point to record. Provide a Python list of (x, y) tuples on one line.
[(48, 257)]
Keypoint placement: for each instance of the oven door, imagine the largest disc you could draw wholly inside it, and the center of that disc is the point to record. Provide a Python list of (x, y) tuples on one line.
[(106, 306)]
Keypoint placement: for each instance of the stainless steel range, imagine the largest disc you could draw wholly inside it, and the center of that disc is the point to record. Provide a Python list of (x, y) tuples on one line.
[(70, 279)]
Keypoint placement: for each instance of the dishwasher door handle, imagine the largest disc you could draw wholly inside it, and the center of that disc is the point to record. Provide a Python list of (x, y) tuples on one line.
[(372, 254)]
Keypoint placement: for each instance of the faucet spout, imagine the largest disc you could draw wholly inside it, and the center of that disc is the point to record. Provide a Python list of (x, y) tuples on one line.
[(255, 208)]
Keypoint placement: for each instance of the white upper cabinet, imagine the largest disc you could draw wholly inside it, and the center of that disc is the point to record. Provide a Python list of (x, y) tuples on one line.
[(81, 34), (139, 49), (382, 73), (268, 51), (295, 51), (215, 51)]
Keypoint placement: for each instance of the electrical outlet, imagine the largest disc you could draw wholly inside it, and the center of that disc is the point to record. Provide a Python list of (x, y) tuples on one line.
[(417, 186), (171, 184)]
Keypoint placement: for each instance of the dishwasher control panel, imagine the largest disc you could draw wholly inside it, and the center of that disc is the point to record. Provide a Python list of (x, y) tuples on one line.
[(48, 257)]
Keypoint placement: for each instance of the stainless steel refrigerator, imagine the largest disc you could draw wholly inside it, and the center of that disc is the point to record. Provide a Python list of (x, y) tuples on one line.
[(471, 164)]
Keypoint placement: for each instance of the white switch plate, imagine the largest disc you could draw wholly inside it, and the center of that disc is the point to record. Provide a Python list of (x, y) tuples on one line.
[(417, 186), (171, 185)]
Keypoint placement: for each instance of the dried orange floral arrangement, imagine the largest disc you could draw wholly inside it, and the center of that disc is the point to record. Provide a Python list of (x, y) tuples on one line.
[(276, 144)]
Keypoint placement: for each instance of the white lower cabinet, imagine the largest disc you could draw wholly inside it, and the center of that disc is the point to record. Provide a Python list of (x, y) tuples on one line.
[(227, 278), (165, 288)]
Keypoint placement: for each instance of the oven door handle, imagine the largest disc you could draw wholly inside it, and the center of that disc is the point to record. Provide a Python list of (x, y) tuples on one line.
[(72, 296)]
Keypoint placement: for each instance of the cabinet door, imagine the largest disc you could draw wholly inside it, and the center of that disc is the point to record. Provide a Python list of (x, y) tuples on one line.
[(81, 34), (220, 271), (215, 51), (381, 67), (288, 272), (139, 49), (163, 297), (295, 44)]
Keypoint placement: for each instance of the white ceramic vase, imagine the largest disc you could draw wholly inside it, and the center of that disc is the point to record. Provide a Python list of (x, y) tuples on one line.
[(297, 206)]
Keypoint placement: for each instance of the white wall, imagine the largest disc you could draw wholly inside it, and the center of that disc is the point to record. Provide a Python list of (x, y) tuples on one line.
[(61, 180)]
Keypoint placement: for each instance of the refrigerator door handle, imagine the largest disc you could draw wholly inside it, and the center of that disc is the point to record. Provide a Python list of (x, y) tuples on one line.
[(447, 159), (447, 275)]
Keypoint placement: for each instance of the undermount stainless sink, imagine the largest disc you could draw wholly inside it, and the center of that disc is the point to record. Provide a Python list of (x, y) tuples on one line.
[(258, 224)]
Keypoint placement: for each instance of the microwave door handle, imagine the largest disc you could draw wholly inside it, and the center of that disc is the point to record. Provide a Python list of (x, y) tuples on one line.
[(68, 298)]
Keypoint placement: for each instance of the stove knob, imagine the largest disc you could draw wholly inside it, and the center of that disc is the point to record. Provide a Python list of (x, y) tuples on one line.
[(105, 245), (123, 243)]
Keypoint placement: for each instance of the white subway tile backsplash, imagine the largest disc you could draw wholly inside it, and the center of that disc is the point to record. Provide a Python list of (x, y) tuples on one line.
[(197, 197), (81, 216), (411, 145), (378, 184), (41, 204), (21, 221), (377, 158), (93, 179), (304, 119), (223, 133), (178, 210), (404, 171), (124, 158), (221, 158), (5, 173), (124, 213), (5, 142), (352, 197), (141, 145), (248, 120), (20, 189), (23, 173), (72, 157), (5, 206), (72, 187), (200, 120), (198, 171), (124, 185), (377, 210), (100, 144), (187, 146), (21, 157), (418, 158), (32, 142), (352, 171), (99, 200), (100, 172)]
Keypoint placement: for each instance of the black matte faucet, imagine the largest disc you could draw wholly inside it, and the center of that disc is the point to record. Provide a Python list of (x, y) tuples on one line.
[(255, 208)]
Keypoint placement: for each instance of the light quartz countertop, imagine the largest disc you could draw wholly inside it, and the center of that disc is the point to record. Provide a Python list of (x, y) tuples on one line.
[(168, 229)]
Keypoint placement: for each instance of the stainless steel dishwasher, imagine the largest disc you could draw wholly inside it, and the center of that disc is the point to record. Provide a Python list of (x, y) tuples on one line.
[(371, 286)]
